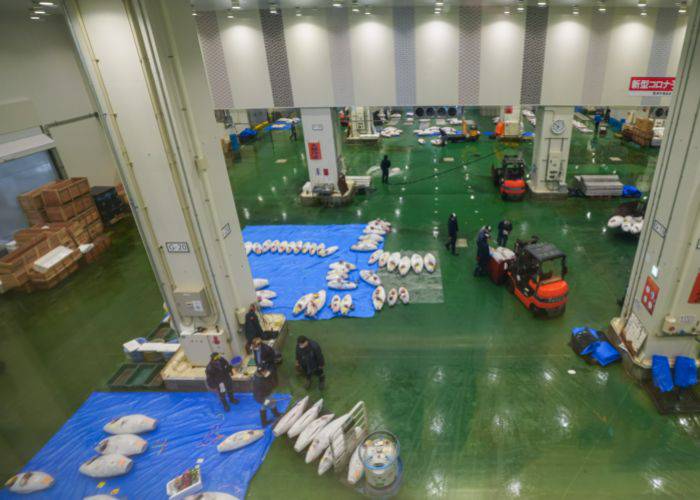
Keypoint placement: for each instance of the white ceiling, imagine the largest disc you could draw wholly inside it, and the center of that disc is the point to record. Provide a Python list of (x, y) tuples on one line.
[(257, 4)]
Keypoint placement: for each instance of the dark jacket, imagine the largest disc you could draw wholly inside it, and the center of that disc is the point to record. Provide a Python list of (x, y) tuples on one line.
[(482, 246), (310, 359), (265, 357), (263, 386), (385, 164), (452, 227), (505, 227), (252, 326), (217, 371)]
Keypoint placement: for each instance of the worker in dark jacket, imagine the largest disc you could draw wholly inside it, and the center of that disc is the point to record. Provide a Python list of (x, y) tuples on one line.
[(264, 356), (385, 164), (452, 229), (218, 378), (310, 361), (252, 327), (292, 132), (483, 253), (264, 383), (504, 229)]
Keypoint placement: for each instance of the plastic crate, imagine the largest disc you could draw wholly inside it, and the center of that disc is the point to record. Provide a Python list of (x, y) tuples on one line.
[(136, 376)]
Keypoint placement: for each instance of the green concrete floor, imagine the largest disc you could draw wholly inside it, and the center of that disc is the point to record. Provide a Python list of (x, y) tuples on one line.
[(476, 389)]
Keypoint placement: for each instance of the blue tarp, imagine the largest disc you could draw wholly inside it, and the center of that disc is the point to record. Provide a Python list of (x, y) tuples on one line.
[(685, 372), (629, 191), (661, 373), (247, 133), (190, 425), (292, 276), (604, 353), (279, 126)]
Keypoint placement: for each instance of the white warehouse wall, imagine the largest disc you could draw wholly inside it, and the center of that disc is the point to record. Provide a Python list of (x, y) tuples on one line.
[(39, 65), (408, 56)]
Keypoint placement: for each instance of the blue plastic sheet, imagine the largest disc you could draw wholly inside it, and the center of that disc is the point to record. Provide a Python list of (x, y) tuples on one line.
[(279, 126), (604, 353), (661, 373), (190, 425), (685, 372), (629, 191), (292, 276)]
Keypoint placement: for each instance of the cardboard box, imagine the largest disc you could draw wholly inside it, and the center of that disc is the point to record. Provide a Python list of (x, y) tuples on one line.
[(61, 213), (31, 201), (35, 217), (95, 229), (62, 192), (644, 124)]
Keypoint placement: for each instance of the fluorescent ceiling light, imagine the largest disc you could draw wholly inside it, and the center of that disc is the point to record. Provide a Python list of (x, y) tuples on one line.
[(39, 11), (337, 4), (298, 14), (541, 3), (47, 4), (507, 11), (439, 3), (34, 18), (644, 12)]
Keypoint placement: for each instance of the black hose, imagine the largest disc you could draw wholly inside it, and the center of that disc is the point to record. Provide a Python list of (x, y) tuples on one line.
[(443, 172)]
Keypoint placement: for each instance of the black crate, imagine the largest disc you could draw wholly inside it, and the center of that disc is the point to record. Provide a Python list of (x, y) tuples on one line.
[(108, 202)]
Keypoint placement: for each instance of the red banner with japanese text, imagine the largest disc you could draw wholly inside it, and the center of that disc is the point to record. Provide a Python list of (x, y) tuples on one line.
[(651, 85)]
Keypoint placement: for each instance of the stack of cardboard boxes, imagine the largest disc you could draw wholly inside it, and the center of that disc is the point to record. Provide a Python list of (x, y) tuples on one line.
[(65, 227), (641, 132)]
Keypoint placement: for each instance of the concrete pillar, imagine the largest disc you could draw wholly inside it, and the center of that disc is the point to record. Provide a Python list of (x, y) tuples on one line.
[(322, 145), (661, 313), (144, 65), (550, 155)]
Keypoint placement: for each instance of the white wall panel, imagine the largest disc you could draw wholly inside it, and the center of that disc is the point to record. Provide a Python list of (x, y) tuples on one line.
[(675, 56), (372, 46), (40, 67), (437, 57), (628, 56), (502, 39), (246, 61), (567, 45), (309, 59)]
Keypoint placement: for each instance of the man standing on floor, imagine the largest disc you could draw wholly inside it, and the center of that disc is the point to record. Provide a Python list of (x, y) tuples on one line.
[(452, 229), (504, 229), (264, 383), (218, 378), (293, 132), (483, 253), (310, 361), (264, 356), (385, 164)]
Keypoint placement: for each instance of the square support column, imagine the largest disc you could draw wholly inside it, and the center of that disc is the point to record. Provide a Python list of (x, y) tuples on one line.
[(550, 155)]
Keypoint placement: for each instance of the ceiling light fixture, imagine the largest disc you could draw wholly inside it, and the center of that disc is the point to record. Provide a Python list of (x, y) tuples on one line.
[(506, 11), (575, 11), (47, 4), (337, 3), (439, 3), (39, 11), (34, 18), (355, 7), (273, 8), (682, 7), (601, 7), (298, 12), (642, 3), (521, 6), (541, 3), (644, 13), (367, 11), (235, 5)]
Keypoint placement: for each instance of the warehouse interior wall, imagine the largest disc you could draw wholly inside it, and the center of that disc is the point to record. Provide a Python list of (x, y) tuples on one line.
[(469, 55), (42, 83)]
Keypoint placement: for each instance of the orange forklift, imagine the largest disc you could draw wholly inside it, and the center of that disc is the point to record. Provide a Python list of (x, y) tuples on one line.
[(536, 277), (509, 178)]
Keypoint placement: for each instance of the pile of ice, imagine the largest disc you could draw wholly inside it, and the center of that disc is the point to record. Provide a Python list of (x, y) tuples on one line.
[(435, 131), (454, 121)]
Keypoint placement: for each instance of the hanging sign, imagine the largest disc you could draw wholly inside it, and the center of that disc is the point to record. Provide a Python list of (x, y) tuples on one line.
[(314, 151), (651, 85)]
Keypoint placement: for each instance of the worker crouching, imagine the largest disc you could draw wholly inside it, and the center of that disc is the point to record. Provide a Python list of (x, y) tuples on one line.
[(218, 379)]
